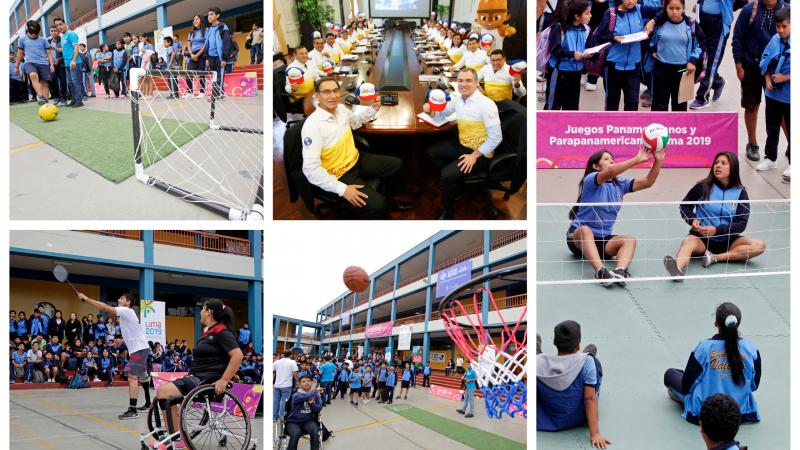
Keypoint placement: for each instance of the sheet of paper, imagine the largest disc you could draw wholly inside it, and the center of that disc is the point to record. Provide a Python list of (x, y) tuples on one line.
[(596, 49), (635, 37), (686, 88), (436, 121), (360, 108), (428, 78)]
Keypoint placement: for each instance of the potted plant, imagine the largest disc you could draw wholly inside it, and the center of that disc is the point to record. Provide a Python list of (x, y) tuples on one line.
[(312, 15)]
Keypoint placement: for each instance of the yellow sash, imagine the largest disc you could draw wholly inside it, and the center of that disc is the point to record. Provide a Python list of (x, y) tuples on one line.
[(476, 67), (498, 91), (471, 133), (455, 57), (340, 157), (305, 88), (336, 58), (346, 49)]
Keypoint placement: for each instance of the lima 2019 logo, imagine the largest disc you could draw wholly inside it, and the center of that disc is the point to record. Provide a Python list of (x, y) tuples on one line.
[(147, 307)]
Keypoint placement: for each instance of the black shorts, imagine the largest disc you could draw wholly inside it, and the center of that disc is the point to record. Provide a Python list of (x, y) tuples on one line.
[(404, 384), (717, 246), (753, 86), (187, 383), (599, 241)]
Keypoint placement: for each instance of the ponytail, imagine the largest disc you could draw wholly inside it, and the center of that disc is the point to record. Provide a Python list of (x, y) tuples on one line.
[(728, 318), (220, 312)]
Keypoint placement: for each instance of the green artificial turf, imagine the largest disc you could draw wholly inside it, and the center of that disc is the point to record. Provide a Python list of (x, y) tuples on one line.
[(457, 431), (100, 140)]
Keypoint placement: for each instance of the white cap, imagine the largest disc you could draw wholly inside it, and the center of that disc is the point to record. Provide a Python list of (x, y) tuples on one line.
[(437, 100), (366, 92), (487, 40), (316, 34), (474, 36), (462, 31), (517, 68), (295, 75), (327, 66)]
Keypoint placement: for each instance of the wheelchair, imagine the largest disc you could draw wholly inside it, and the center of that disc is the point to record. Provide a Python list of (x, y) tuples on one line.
[(207, 421), (280, 436)]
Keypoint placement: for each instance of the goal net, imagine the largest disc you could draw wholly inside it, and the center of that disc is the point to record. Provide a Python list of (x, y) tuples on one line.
[(196, 143)]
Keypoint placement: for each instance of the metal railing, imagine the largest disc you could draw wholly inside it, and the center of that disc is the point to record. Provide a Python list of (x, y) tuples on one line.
[(88, 17), (509, 238), (135, 235), (108, 5), (203, 241)]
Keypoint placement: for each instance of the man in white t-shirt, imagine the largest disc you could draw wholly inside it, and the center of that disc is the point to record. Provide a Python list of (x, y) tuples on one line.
[(283, 371), (460, 364), (138, 349)]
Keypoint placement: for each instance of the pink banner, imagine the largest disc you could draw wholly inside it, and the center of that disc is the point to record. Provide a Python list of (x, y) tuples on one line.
[(236, 85), (445, 392), (566, 139), (379, 330), (249, 394)]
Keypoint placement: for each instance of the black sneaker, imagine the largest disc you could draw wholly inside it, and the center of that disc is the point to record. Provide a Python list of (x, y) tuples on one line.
[(753, 152), (672, 267), (129, 414), (467, 416), (604, 274), (144, 407), (460, 411), (622, 274)]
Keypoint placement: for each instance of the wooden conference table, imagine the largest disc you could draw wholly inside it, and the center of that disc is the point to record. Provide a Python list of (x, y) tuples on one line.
[(397, 63)]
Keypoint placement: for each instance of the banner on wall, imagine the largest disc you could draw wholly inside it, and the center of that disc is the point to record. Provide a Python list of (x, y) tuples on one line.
[(448, 279), (379, 330), (153, 320), (566, 139), (158, 41), (404, 338), (346, 318), (416, 354), (82, 35), (437, 357)]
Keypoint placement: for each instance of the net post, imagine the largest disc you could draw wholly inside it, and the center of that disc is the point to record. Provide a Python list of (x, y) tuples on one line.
[(134, 75), (211, 123)]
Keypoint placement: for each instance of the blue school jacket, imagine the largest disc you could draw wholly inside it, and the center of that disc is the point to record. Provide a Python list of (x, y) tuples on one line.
[(625, 56), (673, 43), (563, 46), (777, 59)]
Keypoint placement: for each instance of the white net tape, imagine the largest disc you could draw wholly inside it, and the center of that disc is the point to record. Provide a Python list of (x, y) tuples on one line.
[(658, 229), (496, 367), (212, 159)]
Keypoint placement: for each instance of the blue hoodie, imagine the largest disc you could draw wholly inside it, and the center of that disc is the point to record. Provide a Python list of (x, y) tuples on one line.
[(302, 410), (777, 59), (750, 39), (218, 41)]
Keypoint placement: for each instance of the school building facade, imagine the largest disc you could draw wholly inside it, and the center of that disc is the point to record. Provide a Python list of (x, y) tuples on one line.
[(106, 21), (403, 293), (180, 268)]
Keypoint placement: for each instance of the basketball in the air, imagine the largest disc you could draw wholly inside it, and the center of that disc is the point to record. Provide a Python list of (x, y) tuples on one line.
[(48, 112), (355, 278), (655, 137)]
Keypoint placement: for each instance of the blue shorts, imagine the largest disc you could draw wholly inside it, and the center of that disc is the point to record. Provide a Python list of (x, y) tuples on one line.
[(42, 70)]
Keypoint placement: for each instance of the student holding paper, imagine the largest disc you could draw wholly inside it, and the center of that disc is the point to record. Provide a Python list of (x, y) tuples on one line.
[(622, 72), (567, 43), (676, 46)]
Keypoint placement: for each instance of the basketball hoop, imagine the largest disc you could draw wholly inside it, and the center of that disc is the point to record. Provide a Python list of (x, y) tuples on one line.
[(501, 368)]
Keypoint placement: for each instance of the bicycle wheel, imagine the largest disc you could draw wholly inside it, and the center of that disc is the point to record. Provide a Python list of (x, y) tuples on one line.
[(210, 421)]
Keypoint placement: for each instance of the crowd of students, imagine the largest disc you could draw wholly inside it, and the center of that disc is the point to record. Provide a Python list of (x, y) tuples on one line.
[(94, 347), (58, 69), (366, 378), (715, 390)]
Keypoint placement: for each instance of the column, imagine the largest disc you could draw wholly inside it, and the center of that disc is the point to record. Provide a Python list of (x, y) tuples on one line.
[(99, 4), (275, 329), (321, 339), (426, 337), (146, 275), (393, 317), (101, 35), (255, 292), (299, 333), (487, 248), (369, 315), (67, 15), (198, 327), (161, 16), (45, 26), (27, 9)]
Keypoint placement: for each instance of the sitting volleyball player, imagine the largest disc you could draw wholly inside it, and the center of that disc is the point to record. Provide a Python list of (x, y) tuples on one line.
[(716, 228), (568, 384), (331, 161), (501, 81), (719, 423), (590, 233), (725, 363)]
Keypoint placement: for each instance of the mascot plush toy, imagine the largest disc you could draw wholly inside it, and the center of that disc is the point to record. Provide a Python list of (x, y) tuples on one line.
[(491, 15)]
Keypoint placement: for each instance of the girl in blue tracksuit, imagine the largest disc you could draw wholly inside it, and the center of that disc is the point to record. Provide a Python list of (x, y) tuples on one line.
[(567, 42), (725, 363), (676, 45), (119, 59), (776, 69), (716, 228), (622, 73)]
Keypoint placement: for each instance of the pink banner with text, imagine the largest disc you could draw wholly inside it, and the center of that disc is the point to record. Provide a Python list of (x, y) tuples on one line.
[(445, 392), (566, 139), (379, 330)]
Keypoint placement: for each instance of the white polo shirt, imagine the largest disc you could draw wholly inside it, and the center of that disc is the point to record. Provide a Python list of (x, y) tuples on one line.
[(502, 76), (475, 60), (478, 122), (284, 369)]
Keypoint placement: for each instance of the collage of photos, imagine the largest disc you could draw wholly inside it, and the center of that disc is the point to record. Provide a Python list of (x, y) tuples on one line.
[(662, 265)]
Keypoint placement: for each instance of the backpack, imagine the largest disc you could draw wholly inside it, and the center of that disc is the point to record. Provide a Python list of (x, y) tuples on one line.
[(75, 382), (326, 433), (594, 66), (38, 376), (72, 363), (543, 49)]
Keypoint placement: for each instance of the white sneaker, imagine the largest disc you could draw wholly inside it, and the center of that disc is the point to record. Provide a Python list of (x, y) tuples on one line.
[(190, 95), (786, 176), (96, 379), (201, 95), (766, 164), (583, 79), (591, 87), (709, 258)]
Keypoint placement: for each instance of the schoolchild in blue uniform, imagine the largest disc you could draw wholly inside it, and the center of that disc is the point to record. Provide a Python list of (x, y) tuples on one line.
[(677, 46), (590, 233), (568, 384), (776, 70), (355, 385), (622, 74), (754, 28), (195, 54), (719, 423), (119, 64), (716, 228), (218, 44), (567, 43), (725, 363)]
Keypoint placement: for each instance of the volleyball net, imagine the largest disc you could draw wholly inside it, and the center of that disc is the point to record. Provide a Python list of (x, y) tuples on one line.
[(658, 229)]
